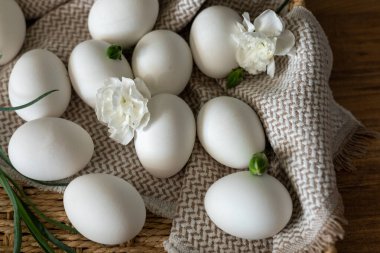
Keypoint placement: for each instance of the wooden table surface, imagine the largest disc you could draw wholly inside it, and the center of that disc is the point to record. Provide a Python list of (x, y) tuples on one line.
[(353, 28)]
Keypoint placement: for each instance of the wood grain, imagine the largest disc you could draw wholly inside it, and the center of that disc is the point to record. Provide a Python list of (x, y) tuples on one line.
[(353, 28)]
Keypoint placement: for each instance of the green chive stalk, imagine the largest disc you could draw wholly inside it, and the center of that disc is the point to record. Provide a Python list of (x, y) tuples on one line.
[(23, 208)]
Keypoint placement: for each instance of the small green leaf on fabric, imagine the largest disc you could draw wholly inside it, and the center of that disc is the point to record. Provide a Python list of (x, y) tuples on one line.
[(235, 77)]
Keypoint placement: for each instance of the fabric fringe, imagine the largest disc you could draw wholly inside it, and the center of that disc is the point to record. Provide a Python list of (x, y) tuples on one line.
[(355, 146), (332, 231)]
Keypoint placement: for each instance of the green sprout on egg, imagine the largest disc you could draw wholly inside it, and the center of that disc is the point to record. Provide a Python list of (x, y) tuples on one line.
[(114, 52)]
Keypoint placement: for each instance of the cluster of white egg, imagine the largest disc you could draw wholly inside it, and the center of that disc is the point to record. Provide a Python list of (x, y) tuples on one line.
[(107, 209)]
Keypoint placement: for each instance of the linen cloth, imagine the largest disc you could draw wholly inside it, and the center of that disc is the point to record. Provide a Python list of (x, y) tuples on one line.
[(306, 129)]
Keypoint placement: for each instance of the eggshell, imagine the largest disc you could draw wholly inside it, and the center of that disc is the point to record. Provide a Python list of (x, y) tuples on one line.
[(122, 22), (165, 144), (89, 67), (104, 208), (230, 131), (12, 30), (247, 206), (163, 60), (35, 73), (211, 40), (50, 149)]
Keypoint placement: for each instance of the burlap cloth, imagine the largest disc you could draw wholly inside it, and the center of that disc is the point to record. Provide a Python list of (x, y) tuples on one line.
[(307, 131)]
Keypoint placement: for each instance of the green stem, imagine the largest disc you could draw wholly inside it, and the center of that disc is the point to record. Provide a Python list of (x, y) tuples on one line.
[(5, 157), (33, 228), (16, 216), (45, 232), (115, 52), (258, 164), (282, 6), (27, 104), (38, 211)]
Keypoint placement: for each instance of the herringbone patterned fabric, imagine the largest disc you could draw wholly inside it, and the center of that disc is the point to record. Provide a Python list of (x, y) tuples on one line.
[(305, 128)]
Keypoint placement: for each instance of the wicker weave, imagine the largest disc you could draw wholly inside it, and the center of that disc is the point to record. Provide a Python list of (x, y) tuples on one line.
[(150, 239)]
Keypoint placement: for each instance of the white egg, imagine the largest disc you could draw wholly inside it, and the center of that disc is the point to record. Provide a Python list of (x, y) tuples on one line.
[(163, 60), (247, 206), (104, 208), (211, 40), (165, 144), (89, 67), (50, 149), (230, 131), (122, 22), (35, 73), (12, 30)]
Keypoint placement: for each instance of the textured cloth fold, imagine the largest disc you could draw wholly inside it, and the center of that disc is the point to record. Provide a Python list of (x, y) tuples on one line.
[(305, 127)]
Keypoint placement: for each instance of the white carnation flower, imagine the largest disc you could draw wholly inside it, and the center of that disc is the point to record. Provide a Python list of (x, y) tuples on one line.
[(258, 43), (123, 106)]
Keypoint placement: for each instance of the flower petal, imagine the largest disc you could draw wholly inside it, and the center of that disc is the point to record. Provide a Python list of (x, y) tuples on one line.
[(123, 137), (271, 68), (285, 43), (247, 23), (269, 24), (121, 106)]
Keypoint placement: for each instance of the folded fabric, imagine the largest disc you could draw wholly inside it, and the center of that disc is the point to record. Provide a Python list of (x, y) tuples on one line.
[(307, 131)]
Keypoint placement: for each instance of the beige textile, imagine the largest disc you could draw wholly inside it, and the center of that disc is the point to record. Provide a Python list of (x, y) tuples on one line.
[(306, 130)]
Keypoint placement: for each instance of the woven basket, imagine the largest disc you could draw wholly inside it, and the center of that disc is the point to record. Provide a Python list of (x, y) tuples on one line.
[(150, 239)]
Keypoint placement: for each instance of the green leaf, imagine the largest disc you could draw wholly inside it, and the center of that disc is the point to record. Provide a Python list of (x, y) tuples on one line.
[(114, 52), (17, 231), (57, 242), (27, 104), (38, 211), (4, 157), (49, 220), (30, 203), (33, 228), (45, 232), (235, 77), (258, 164), (16, 217)]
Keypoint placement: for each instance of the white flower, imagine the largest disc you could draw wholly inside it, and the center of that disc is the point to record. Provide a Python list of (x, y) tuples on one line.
[(122, 106), (258, 43)]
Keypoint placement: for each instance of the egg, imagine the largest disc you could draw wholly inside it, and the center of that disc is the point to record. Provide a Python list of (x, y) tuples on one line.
[(49, 149), (211, 40), (12, 30), (35, 73), (122, 22), (163, 60), (247, 206), (230, 131), (89, 67), (165, 144), (104, 208)]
